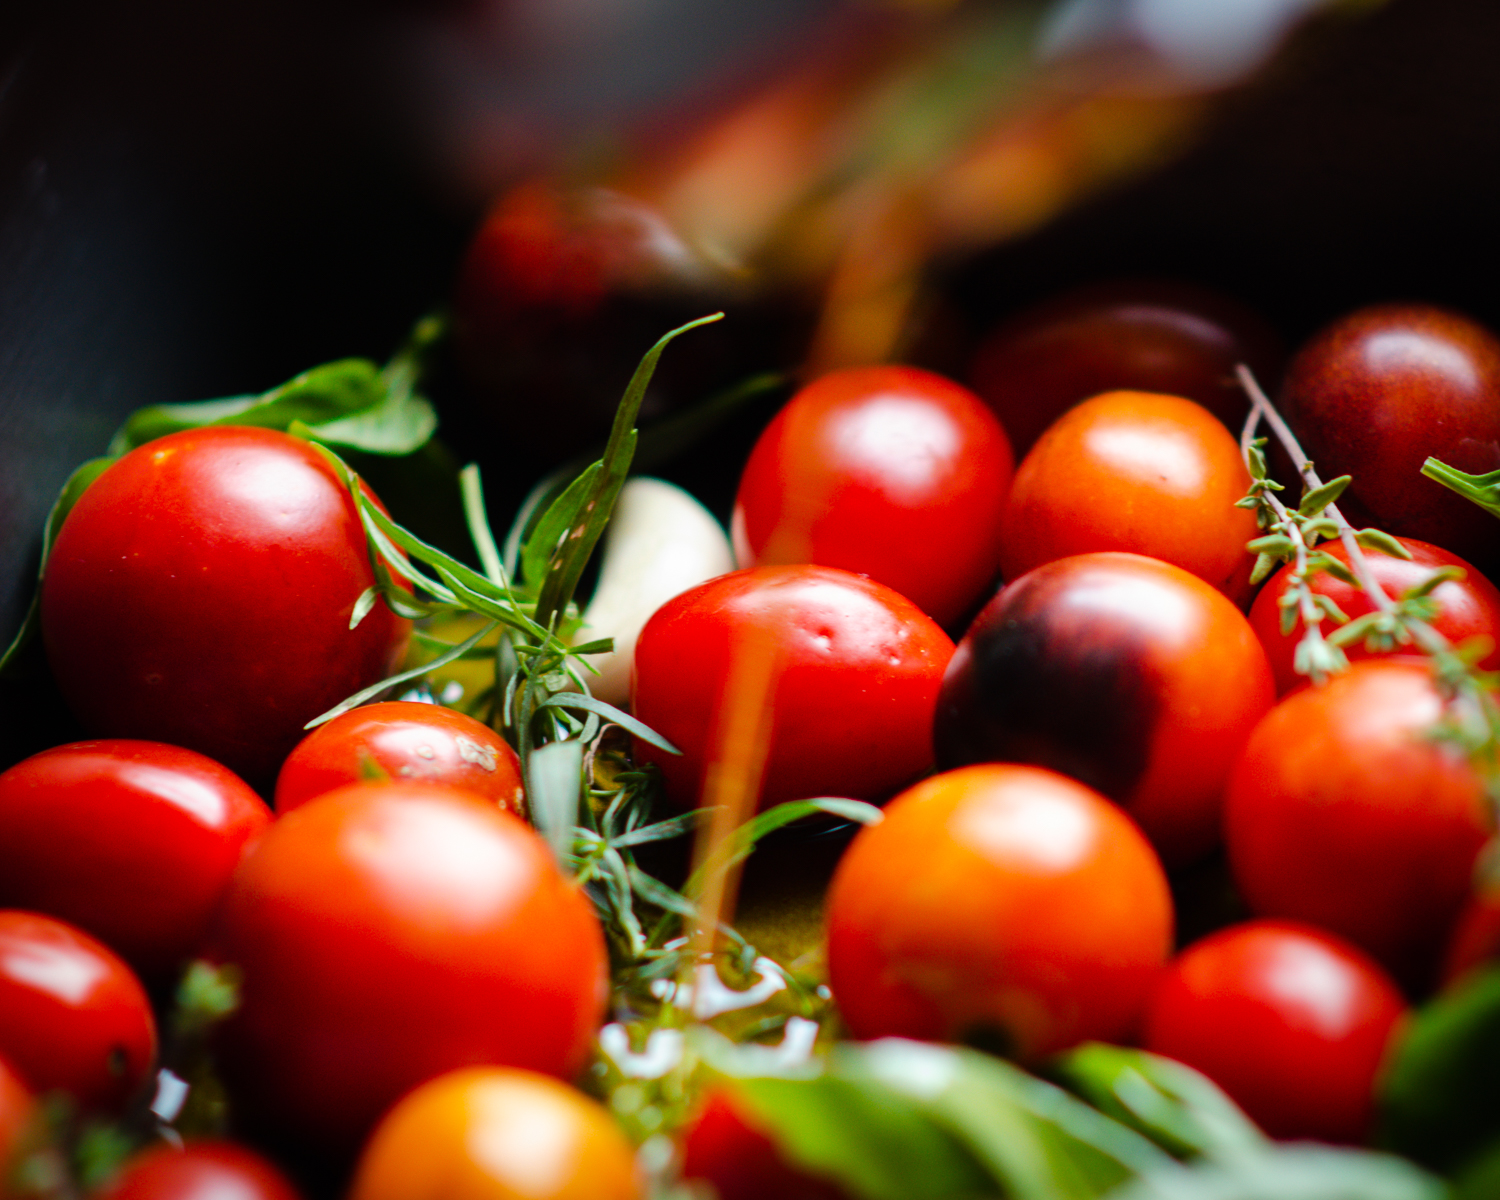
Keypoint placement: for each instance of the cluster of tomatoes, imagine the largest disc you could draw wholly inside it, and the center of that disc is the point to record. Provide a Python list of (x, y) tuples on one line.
[(415, 974)]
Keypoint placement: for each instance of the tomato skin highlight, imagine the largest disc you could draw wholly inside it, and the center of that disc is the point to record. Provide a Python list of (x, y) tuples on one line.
[(1344, 812), (998, 899), (1124, 672), (200, 593), (206, 1170), (76, 1017), (1140, 473), (133, 842), (490, 1133), (1292, 1022), (408, 741), (857, 672), (1468, 607), (388, 932), (891, 472)]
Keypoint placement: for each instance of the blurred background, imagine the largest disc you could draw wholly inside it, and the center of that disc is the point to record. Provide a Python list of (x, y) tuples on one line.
[(201, 200)]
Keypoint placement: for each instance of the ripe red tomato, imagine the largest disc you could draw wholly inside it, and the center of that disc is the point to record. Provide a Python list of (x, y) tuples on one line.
[(200, 594), (998, 900), (491, 1133), (891, 472), (388, 933), (1138, 472), (406, 740), (208, 1170), (16, 1108), (75, 1017), (1126, 673), (1345, 812), (1469, 607), (132, 841), (726, 1148), (856, 671), (1291, 1021)]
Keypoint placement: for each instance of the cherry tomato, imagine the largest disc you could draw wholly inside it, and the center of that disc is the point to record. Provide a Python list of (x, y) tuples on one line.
[(1291, 1021), (1344, 811), (1124, 672), (132, 841), (75, 1017), (390, 932), (1468, 607), (490, 1133), (890, 472), (1138, 472), (1475, 940), (1143, 335), (16, 1109), (200, 594), (856, 670), (726, 1148), (1002, 901), (1378, 391), (405, 740), (208, 1170)]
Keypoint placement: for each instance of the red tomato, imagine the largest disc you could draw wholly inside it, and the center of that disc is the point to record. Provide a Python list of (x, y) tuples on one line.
[(16, 1108), (856, 670), (1124, 672), (388, 933), (406, 740), (726, 1148), (1345, 812), (1475, 940), (132, 841), (207, 1170), (200, 594), (1468, 607), (491, 1133), (891, 472), (1139, 472), (74, 1016), (998, 900), (1292, 1022)]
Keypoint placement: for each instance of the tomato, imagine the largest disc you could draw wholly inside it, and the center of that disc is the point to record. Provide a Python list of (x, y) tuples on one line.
[(16, 1109), (1126, 673), (75, 1017), (1291, 1021), (132, 841), (891, 472), (388, 932), (1000, 901), (200, 593), (726, 1148), (1138, 472), (490, 1133), (207, 1170), (856, 670), (405, 740), (1468, 607), (1345, 812)]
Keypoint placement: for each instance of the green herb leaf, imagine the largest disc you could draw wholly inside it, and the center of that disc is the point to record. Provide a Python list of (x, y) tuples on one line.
[(546, 538), (1264, 565), (1290, 1172), (1450, 574), (1320, 498), (1319, 561), (1378, 539), (554, 779), (1483, 490), (1277, 544), (661, 831), (612, 714)]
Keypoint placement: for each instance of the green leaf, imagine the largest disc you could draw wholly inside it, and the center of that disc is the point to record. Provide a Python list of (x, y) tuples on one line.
[(1483, 490), (399, 423), (554, 782), (478, 520), (660, 831), (1290, 1172), (612, 714), (1264, 565), (1358, 629), (77, 483), (546, 538), (1277, 544), (1176, 1107), (1319, 561), (1378, 539), (1449, 574), (1320, 498)]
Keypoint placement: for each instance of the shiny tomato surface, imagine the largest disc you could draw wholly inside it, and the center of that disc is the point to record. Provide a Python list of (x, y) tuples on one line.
[(403, 740), (200, 593), (207, 1170), (132, 841), (491, 1133), (999, 901), (1291, 1021), (388, 932), (1467, 607), (75, 1017), (1124, 672), (1136, 472), (891, 472), (854, 670), (1344, 811)]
